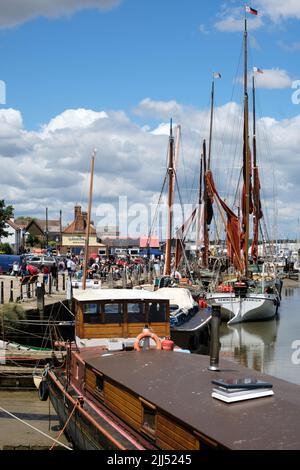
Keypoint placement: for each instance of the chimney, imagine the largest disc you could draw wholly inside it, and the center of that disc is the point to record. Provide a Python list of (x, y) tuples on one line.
[(77, 212)]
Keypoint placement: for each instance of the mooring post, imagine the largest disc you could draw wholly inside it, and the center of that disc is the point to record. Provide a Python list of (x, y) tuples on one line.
[(50, 283), (40, 292), (28, 289), (2, 293), (11, 297), (215, 337)]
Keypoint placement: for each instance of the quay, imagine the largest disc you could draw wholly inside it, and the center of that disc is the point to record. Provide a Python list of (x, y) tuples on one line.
[(34, 420)]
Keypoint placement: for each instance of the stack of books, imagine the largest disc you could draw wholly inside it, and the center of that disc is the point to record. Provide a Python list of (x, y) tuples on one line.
[(232, 390)]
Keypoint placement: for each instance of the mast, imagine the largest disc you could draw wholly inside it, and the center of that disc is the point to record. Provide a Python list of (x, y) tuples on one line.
[(211, 120), (254, 122), (205, 196), (167, 269), (246, 153), (198, 226), (88, 223)]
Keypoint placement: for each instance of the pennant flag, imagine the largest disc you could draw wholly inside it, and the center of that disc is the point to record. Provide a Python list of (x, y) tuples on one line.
[(252, 11), (217, 75), (255, 69)]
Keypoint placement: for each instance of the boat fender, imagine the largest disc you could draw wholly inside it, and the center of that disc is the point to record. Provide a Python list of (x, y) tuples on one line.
[(146, 334), (43, 390)]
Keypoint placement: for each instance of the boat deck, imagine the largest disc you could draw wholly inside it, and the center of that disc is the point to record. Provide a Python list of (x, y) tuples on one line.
[(180, 384), (194, 323)]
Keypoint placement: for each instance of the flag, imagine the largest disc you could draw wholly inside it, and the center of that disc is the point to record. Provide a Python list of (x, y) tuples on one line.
[(252, 11), (255, 69), (217, 75)]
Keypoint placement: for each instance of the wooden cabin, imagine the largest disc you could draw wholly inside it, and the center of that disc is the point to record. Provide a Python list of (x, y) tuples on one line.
[(119, 314)]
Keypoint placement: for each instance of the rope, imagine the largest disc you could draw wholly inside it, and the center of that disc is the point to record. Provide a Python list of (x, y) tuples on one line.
[(34, 428), (65, 425)]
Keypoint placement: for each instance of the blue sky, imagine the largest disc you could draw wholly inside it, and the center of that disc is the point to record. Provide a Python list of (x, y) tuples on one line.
[(111, 73), (113, 59)]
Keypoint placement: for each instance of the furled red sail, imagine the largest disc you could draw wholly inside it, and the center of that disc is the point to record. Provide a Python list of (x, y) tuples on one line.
[(232, 228), (257, 214), (244, 212)]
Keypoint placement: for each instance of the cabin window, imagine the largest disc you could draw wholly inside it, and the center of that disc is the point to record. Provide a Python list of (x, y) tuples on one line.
[(149, 418), (136, 313), (157, 312), (99, 383), (91, 313), (113, 313)]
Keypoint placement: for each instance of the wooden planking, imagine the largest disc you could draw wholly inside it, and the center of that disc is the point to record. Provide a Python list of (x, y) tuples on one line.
[(90, 380), (125, 405), (109, 388), (171, 433), (127, 418), (103, 331)]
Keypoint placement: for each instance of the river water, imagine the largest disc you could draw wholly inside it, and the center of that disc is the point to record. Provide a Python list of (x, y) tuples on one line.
[(271, 347)]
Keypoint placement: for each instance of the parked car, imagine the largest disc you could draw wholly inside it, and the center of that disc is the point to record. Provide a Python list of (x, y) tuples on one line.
[(43, 260)]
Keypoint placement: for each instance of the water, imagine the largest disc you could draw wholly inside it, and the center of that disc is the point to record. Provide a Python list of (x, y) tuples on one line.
[(268, 346)]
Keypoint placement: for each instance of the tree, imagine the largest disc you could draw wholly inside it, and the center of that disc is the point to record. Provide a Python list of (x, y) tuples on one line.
[(6, 212), (6, 249)]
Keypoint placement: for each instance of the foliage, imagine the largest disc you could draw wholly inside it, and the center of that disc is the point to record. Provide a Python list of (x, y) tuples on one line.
[(31, 240), (6, 249), (6, 212), (11, 313)]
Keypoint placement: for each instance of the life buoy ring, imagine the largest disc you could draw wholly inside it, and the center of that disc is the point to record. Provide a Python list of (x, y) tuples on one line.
[(43, 390), (146, 334)]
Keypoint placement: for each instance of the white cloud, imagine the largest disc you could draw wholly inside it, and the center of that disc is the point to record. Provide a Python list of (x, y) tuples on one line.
[(14, 12), (232, 20), (272, 79), (160, 109), (50, 167), (278, 9)]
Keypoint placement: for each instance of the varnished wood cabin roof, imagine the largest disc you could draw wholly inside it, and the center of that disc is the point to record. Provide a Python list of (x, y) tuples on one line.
[(180, 384)]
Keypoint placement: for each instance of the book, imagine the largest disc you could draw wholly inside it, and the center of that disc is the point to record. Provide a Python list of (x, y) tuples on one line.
[(241, 383), (241, 395)]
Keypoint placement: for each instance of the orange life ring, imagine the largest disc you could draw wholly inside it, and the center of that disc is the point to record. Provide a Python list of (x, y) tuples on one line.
[(146, 335)]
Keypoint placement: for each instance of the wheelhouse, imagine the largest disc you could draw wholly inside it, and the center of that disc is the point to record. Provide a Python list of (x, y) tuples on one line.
[(120, 313)]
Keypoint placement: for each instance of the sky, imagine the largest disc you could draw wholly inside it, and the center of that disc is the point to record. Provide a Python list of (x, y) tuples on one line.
[(81, 75)]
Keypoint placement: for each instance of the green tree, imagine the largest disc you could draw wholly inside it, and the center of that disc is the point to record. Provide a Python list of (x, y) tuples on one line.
[(6, 212), (6, 249), (32, 240)]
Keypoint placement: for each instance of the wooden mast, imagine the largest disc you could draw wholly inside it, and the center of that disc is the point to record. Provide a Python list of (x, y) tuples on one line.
[(167, 269), (211, 121), (246, 152), (199, 207), (88, 223), (205, 196), (254, 122)]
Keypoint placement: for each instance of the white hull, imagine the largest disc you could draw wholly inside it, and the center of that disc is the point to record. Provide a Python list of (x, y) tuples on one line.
[(253, 307)]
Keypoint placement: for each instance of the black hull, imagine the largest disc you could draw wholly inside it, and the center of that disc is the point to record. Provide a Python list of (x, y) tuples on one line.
[(86, 428), (77, 430)]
